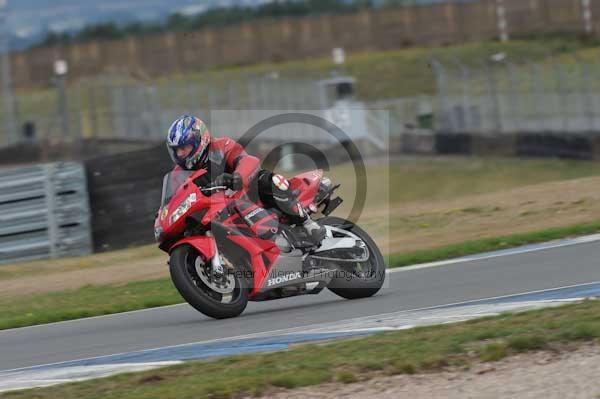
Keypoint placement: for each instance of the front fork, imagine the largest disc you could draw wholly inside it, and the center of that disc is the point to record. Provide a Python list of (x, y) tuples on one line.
[(215, 262)]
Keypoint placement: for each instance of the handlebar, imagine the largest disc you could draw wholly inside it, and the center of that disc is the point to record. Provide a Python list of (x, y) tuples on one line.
[(213, 188), (222, 182)]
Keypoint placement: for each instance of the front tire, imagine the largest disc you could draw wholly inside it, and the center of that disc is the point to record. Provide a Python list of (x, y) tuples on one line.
[(183, 266), (353, 284)]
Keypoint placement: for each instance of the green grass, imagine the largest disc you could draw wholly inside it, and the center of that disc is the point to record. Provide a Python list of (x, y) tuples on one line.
[(396, 65), (85, 302), (493, 352), (420, 350), (425, 179), (490, 244), (100, 300), (99, 260)]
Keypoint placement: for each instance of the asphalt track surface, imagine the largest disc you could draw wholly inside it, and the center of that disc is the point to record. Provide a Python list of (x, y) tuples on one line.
[(509, 273)]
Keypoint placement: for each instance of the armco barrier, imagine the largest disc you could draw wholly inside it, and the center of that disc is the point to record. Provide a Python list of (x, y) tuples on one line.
[(542, 144), (453, 143), (44, 212), (554, 145)]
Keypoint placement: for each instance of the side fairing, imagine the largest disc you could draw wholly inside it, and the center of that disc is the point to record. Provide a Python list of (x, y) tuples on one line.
[(308, 186)]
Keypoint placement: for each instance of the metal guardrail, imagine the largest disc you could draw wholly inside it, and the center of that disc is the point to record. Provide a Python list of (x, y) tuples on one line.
[(44, 212)]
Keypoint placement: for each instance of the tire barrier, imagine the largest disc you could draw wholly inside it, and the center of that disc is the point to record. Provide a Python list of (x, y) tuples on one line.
[(124, 191)]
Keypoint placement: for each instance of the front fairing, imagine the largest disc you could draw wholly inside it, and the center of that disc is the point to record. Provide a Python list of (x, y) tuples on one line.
[(180, 199)]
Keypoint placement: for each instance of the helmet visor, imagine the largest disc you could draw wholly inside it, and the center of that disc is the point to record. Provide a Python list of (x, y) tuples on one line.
[(181, 152)]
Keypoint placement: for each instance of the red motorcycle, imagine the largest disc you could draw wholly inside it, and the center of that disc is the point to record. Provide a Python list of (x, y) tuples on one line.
[(226, 249)]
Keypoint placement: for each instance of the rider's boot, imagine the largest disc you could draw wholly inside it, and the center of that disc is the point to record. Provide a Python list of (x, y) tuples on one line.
[(287, 202), (314, 231), (307, 232)]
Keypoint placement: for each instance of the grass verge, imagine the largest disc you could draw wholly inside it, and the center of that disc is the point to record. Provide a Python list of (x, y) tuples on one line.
[(108, 299), (86, 302), (490, 244), (60, 265), (419, 350)]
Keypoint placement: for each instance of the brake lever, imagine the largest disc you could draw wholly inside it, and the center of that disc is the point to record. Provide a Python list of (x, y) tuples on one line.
[(214, 188)]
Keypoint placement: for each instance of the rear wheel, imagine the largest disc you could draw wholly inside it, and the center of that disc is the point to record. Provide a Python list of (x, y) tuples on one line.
[(357, 279), (217, 296)]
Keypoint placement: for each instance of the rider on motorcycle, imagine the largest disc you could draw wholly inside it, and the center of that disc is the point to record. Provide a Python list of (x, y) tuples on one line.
[(191, 147)]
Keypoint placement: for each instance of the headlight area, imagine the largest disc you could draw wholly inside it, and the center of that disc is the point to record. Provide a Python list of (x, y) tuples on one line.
[(182, 208)]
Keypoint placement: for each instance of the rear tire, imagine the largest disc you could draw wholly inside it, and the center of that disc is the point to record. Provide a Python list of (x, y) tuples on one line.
[(199, 295), (355, 286)]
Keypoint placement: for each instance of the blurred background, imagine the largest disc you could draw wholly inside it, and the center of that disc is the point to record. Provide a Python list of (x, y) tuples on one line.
[(89, 89)]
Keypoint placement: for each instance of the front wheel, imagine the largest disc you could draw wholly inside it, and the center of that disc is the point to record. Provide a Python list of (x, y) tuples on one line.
[(358, 279), (219, 297)]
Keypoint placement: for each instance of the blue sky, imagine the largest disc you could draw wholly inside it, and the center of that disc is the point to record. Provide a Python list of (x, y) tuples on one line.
[(30, 19)]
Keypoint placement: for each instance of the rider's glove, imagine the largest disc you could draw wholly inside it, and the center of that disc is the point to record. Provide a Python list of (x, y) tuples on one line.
[(223, 180), (234, 182), (237, 183)]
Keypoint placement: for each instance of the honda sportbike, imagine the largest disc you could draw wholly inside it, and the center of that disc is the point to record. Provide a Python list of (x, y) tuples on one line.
[(226, 249)]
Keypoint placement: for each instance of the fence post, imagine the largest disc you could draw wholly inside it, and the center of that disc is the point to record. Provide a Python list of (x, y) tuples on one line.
[(586, 92), (493, 93), (445, 116), (502, 22), (10, 109), (515, 99), (63, 109), (535, 95), (51, 210), (79, 106), (466, 94), (586, 11), (93, 110), (562, 97)]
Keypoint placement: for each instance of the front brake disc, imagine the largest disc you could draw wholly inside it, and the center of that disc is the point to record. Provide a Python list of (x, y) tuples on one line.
[(223, 285)]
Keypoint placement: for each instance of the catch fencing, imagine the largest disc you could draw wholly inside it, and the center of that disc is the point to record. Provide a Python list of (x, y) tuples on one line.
[(44, 212), (143, 112), (560, 96), (497, 95)]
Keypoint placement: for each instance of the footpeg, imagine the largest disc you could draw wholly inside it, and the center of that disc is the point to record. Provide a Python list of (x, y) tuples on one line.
[(316, 232)]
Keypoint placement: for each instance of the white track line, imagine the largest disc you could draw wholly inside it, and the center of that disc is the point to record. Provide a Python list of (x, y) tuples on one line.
[(488, 255), (505, 252), (92, 318)]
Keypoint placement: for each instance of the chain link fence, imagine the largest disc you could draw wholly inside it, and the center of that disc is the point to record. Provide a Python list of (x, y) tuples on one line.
[(494, 96), (500, 96), (110, 109), (129, 110)]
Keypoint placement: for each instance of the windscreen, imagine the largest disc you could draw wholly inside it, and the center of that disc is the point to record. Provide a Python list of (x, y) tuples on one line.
[(171, 182)]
